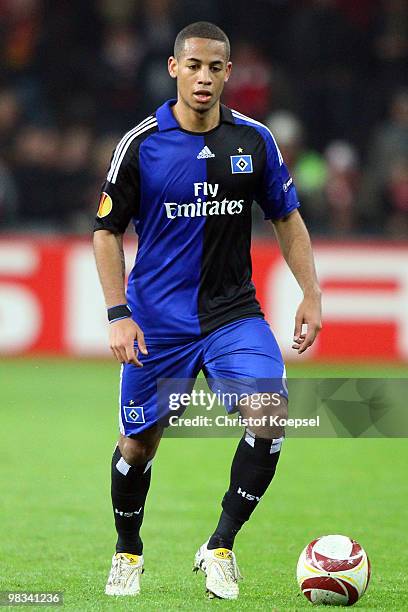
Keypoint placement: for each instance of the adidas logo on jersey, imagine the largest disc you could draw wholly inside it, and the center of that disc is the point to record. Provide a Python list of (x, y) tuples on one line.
[(205, 153)]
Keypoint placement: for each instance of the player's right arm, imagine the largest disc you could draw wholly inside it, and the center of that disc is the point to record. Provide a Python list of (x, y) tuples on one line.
[(110, 262), (119, 203)]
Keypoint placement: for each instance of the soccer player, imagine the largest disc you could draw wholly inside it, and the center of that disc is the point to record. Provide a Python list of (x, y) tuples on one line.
[(187, 177)]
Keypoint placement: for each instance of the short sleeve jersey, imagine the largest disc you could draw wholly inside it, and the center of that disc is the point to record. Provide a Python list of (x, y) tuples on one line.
[(189, 196)]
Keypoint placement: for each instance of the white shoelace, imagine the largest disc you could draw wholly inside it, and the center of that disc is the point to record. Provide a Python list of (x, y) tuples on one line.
[(231, 569), (117, 570)]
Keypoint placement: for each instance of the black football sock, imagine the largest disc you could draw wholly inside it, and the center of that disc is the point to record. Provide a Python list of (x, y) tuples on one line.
[(130, 485), (225, 532), (252, 470)]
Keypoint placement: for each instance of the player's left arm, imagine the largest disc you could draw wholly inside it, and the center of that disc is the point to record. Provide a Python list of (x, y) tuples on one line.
[(295, 245), (278, 199)]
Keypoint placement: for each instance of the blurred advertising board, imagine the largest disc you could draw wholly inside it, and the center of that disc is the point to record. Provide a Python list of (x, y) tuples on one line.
[(51, 302)]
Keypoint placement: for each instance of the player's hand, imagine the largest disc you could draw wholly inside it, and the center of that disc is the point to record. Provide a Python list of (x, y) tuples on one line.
[(122, 335), (309, 312)]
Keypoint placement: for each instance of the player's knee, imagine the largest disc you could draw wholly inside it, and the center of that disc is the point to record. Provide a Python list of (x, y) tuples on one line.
[(280, 409), (137, 452), (266, 405), (266, 420)]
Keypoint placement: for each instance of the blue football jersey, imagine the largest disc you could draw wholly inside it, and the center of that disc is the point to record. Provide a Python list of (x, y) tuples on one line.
[(189, 196)]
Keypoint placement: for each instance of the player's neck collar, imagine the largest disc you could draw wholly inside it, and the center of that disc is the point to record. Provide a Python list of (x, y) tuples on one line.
[(167, 121)]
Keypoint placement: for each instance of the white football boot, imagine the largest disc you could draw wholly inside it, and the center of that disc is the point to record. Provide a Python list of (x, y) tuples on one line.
[(221, 571), (124, 576)]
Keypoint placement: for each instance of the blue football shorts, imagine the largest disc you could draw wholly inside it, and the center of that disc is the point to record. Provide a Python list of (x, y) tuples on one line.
[(241, 356)]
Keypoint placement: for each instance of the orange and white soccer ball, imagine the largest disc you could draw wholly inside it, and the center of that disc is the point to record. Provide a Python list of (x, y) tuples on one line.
[(333, 570)]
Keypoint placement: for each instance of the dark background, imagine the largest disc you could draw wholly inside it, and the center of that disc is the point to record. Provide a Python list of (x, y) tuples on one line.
[(327, 76)]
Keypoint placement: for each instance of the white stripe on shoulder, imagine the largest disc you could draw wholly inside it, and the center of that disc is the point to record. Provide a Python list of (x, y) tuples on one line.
[(124, 138), (127, 145), (123, 141), (241, 116)]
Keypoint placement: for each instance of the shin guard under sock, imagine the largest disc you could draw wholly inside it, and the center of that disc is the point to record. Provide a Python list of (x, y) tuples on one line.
[(252, 471), (130, 485)]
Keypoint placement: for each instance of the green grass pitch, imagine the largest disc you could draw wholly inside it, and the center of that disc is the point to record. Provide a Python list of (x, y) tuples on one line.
[(59, 423)]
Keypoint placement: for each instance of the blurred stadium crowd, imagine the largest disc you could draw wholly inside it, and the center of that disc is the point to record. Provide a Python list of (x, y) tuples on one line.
[(327, 76)]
